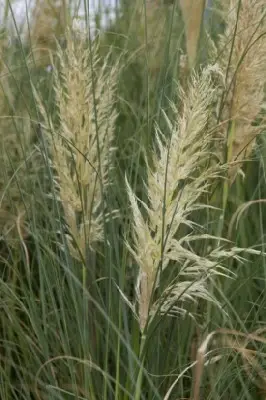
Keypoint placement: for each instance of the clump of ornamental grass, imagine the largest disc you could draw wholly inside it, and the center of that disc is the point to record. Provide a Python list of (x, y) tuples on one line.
[(192, 12), (164, 233), (81, 141), (242, 58)]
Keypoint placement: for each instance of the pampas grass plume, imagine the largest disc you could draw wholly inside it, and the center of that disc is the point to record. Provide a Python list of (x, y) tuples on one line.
[(243, 58), (174, 187), (81, 145)]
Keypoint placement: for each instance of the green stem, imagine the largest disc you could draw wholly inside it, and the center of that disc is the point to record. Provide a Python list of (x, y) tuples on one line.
[(225, 195), (137, 395), (230, 141)]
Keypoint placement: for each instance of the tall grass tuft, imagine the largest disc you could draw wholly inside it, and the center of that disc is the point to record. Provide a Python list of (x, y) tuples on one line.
[(196, 325)]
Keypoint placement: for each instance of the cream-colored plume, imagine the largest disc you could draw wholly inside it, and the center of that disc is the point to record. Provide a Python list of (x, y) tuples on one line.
[(81, 145), (174, 188), (242, 50)]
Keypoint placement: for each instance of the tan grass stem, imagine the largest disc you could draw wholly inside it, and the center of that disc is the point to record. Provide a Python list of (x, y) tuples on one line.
[(192, 11)]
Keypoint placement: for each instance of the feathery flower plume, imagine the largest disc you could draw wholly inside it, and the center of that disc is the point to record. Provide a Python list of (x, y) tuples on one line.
[(174, 187), (180, 176), (242, 50), (82, 143)]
